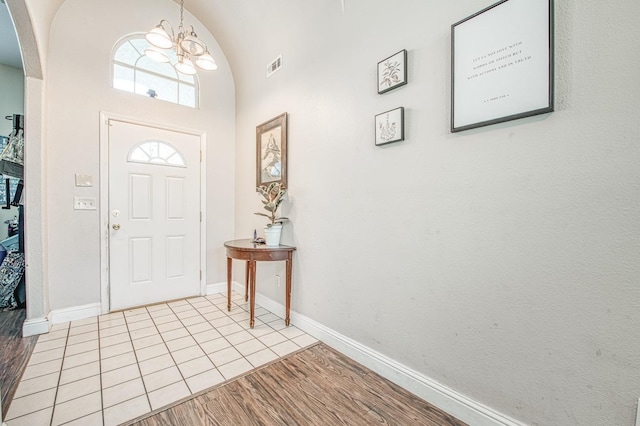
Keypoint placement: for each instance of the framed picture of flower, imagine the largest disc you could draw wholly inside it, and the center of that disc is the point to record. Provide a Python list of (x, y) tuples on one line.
[(390, 126), (392, 72), (271, 151)]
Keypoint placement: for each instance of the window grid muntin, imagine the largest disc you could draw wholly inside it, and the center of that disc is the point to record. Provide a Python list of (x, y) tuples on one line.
[(181, 82), (156, 153)]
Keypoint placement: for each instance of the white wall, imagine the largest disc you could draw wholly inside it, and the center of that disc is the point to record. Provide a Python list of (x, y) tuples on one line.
[(12, 98), (503, 261), (83, 34)]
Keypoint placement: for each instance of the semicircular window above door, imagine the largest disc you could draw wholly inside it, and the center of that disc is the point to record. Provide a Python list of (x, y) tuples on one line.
[(135, 72), (156, 152)]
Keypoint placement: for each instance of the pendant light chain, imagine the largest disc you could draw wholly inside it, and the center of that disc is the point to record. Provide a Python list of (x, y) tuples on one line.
[(181, 28)]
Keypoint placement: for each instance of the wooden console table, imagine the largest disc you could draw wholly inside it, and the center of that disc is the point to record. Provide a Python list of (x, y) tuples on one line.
[(251, 252)]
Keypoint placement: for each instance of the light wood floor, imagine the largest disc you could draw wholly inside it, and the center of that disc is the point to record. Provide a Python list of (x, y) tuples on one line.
[(14, 353), (317, 386)]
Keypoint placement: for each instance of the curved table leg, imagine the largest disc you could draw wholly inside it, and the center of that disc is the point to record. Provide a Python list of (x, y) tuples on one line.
[(246, 282), (252, 289), (288, 295), (229, 284)]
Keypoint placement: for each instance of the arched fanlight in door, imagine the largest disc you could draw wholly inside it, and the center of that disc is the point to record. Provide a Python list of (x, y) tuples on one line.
[(156, 152)]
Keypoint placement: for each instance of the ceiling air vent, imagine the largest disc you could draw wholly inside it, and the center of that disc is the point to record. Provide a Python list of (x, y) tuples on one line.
[(274, 66)]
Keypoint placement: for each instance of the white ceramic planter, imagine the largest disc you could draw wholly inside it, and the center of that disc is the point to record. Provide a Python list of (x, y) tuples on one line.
[(272, 234)]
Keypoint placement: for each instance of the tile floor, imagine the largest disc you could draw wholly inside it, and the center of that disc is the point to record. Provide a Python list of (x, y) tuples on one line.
[(116, 367)]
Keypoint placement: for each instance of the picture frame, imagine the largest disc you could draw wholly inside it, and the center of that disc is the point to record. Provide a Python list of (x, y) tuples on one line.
[(271, 151), (502, 64), (392, 72), (389, 126)]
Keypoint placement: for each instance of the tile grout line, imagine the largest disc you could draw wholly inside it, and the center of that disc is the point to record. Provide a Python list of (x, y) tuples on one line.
[(198, 343), (215, 367), (224, 337), (173, 312), (135, 354), (221, 336), (55, 397), (34, 393), (63, 358), (190, 335), (248, 330), (100, 372)]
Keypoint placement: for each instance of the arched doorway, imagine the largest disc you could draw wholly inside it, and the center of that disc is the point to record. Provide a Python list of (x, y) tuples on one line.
[(34, 199), (11, 175)]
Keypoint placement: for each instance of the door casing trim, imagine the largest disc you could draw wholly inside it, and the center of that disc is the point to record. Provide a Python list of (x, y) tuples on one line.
[(105, 117)]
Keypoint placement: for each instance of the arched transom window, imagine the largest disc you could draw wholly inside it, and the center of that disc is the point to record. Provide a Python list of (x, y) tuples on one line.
[(156, 152), (136, 73)]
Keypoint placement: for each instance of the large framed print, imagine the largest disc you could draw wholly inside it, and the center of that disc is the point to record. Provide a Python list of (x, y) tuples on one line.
[(502, 64), (271, 151)]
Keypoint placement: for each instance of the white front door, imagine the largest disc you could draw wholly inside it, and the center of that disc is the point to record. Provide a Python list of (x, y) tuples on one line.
[(154, 215)]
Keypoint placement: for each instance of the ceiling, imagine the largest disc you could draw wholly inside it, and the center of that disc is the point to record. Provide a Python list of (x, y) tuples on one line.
[(228, 21), (9, 50)]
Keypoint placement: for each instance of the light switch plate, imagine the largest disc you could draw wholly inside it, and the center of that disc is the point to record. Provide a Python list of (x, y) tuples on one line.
[(84, 203), (84, 180)]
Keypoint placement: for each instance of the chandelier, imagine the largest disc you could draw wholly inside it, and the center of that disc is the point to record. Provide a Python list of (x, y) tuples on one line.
[(186, 45)]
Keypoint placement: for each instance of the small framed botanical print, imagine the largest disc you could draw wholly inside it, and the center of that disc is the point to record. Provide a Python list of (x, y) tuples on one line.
[(390, 126), (392, 72)]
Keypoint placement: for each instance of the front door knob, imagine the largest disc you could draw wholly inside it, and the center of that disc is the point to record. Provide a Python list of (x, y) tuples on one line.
[(116, 226)]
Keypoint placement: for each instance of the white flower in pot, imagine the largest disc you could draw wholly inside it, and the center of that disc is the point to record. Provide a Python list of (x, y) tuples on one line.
[(273, 196)]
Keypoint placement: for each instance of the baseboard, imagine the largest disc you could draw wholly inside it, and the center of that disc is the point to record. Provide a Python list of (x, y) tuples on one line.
[(215, 288), (75, 313), (222, 288), (238, 288), (447, 399), (33, 327)]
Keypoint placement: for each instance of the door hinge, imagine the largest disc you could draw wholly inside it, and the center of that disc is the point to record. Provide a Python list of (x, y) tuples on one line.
[(201, 156), (200, 216), (200, 274)]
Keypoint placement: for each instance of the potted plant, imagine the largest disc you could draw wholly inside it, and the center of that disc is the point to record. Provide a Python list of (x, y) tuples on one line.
[(273, 196)]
